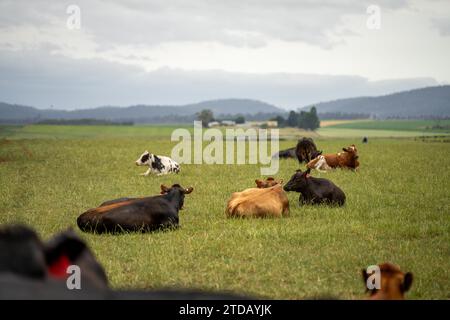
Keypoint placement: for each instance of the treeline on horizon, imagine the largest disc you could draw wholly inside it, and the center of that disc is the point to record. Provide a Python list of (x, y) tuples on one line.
[(92, 122), (307, 120), (171, 119)]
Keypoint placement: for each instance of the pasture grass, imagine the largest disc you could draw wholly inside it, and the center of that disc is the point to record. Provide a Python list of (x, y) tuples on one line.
[(87, 131), (397, 210)]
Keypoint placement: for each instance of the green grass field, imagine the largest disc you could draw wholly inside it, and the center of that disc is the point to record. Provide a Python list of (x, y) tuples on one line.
[(353, 129), (87, 131), (397, 210)]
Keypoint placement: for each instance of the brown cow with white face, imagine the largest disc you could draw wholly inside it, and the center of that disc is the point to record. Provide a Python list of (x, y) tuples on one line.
[(346, 159), (394, 283), (319, 163)]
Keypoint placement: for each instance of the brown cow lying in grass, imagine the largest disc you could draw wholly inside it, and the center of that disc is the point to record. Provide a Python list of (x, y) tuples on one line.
[(346, 159), (393, 285), (268, 200)]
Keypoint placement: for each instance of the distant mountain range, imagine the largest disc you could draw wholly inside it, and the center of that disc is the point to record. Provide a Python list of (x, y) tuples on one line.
[(141, 113), (418, 103)]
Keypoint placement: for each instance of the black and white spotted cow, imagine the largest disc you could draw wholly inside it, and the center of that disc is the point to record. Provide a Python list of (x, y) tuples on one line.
[(157, 164)]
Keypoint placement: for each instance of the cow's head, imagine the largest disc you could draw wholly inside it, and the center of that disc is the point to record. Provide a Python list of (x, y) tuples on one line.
[(393, 285), (298, 181), (24, 254), (269, 182), (145, 159), (176, 190), (352, 151), (312, 164)]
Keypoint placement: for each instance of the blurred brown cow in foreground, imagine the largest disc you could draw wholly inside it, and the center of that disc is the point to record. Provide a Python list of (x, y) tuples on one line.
[(393, 283)]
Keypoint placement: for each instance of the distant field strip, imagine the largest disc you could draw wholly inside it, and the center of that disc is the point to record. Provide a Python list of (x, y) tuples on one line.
[(83, 131), (371, 129), (397, 125), (329, 123), (333, 132)]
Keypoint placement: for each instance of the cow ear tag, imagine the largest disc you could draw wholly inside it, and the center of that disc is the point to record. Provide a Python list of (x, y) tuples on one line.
[(59, 267)]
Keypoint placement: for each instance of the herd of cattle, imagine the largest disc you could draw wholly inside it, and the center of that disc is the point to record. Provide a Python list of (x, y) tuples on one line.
[(23, 254), (268, 199)]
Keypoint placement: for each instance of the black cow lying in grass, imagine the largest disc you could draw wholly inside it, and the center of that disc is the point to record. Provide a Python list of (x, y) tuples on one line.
[(285, 154), (33, 269), (315, 190), (136, 214)]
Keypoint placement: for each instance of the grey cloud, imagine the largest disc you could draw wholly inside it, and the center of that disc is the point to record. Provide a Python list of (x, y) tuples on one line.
[(41, 79), (443, 26), (154, 22), (38, 79), (35, 13)]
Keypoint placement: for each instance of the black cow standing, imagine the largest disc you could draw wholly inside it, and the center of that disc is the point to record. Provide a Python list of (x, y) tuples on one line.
[(136, 214), (315, 190), (306, 150)]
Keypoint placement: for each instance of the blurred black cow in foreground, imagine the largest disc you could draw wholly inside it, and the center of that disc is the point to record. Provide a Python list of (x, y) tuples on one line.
[(24, 257), (306, 150), (33, 269)]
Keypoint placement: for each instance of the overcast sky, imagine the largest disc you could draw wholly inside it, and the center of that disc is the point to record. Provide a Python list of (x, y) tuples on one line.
[(287, 52)]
